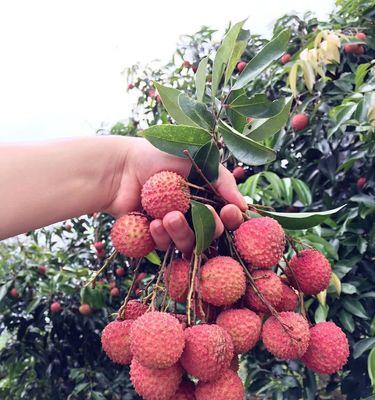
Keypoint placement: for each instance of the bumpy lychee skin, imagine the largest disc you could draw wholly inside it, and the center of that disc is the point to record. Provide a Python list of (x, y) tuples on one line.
[(260, 241), (157, 340), (228, 387), (131, 235), (289, 299), (244, 327), (269, 285), (177, 279), (155, 384), (164, 192), (222, 281), (288, 341), (312, 271), (135, 309), (208, 351), (116, 341), (300, 122), (185, 391), (328, 350)]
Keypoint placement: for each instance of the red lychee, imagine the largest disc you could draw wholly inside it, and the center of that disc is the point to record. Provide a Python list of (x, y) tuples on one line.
[(186, 64), (300, 122), (222, 281), (288, 337), (285, 58), (241, 66), (249, 120), (208, 351), (155, 384), (194, 68), (235, 363), (239, 173), (164, 192), (55, 307), (244, 327), (116, 341), (361, 182), (350, 48), (289, 299), (359, 50), (157, 340), (131, 86), (112, 284), (115, 292), (99, 246), (269, 285), (135, 309), (42, 269), (328, 350), (312, 271), (85, 309), (260, 241), (152, 93), (120, 272), (361, 36), (177, 279), (131, 235), (227, 387), (14, 292), (140, 277), (185, 391), (68, 227)]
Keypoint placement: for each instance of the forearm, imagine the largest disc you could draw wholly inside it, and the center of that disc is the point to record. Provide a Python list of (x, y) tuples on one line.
[(43, 183)]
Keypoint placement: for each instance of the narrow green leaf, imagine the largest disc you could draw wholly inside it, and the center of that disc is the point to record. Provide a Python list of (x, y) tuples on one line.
[(200, 79), (245, 149), (238, 49), (371, 367), (305, 220), (257, 106), (174, 139), (249, 187), (274, 181), (355, 307), (315, 239), (208, 160), (153, 258), (303, 191), (196, 111), (321, 313), (343, 114), (271, 51), (287, 190), (347, 320), (204, 226), (169, 97), (360, 74), (362, 346)]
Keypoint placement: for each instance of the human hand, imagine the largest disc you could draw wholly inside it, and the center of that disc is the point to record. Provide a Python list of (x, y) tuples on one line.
[(141, 161)]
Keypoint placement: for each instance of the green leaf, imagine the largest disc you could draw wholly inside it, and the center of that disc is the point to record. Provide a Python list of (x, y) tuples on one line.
[(257, 106), (208, 160), (360, 74), (287, 190), (347, 321), (223, 55), (342, 114), (93, 297), (204, 226), (33, 305), (312, 238), (245, 149), (154, 258), (169, 97), (249, 187), (238, 49), (275, 182), (362, 346), (371, 366), (174, 139), (305, 220), (200, 79), (355, 307), (364, 199), (303, 191), (196, 111), (271, 51), (263, 129), (321, 313)]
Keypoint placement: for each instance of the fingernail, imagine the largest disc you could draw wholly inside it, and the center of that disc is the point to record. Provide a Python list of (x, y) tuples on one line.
[(158, 226), (242, 201), (175, 222)]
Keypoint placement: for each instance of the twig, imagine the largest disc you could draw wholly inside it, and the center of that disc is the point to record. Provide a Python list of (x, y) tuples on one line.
[(191, 288), (107, 263), (197, 186), (204, 200)]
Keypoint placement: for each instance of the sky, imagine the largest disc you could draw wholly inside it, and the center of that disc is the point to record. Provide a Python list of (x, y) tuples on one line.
[(62, 60)]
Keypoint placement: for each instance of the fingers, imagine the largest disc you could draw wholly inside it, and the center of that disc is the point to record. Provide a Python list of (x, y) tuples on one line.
[(227, 187), (231, 216), (159, 234), (219, 226)]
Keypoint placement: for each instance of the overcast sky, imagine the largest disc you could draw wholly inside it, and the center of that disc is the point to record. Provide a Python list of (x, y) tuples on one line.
[(61, 60)]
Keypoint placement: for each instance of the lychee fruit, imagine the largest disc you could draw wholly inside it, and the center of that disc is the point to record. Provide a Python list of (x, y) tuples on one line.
[(176, 279), (99, 246), (164, 192), (186, 64), (239, 173), (359, 50), (269, 285), (155, 384), (244, 327), (194, 68), (120, 272), (112, 284), (115, 292), (208, 351), (311, 270), (152, 93), (361, 36), (222, 281), (285, 58), (241, 66), (14, 292), (361, 182), (131, 86), (235, 363), (135, 309), (300, 122), (185, 391), (55, 307), (85, 309), (328, 350), (289, 299), (131, 235), (157, 340), (260, 241), (350, 48), (116, 341), (227, 387), (42, 269), (140, 277), (286, 337), (68, 227)]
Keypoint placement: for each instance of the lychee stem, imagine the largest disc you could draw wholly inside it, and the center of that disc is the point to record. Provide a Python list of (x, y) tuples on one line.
[(196, 186), (191, 288), (204, 200), (106, 264)]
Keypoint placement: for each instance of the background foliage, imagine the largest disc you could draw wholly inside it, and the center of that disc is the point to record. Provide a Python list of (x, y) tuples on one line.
[(44, 355)]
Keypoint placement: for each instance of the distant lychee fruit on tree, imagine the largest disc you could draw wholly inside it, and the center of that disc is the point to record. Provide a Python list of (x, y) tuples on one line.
[(361, 182), (85, 309), (115, 292), (241, 66), (131, 235), (300, 122), (120, 272), (116, 341), (328, 349), (42, 269), (260, 241), (177, 279), (164, 192), (361, 36), (99, 246), (239, 173), (14, 292), (285, 58), (55, 307), (186, 64)]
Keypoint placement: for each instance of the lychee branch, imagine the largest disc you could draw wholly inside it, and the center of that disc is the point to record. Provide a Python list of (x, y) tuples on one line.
[(196, 264), (106, 264)]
